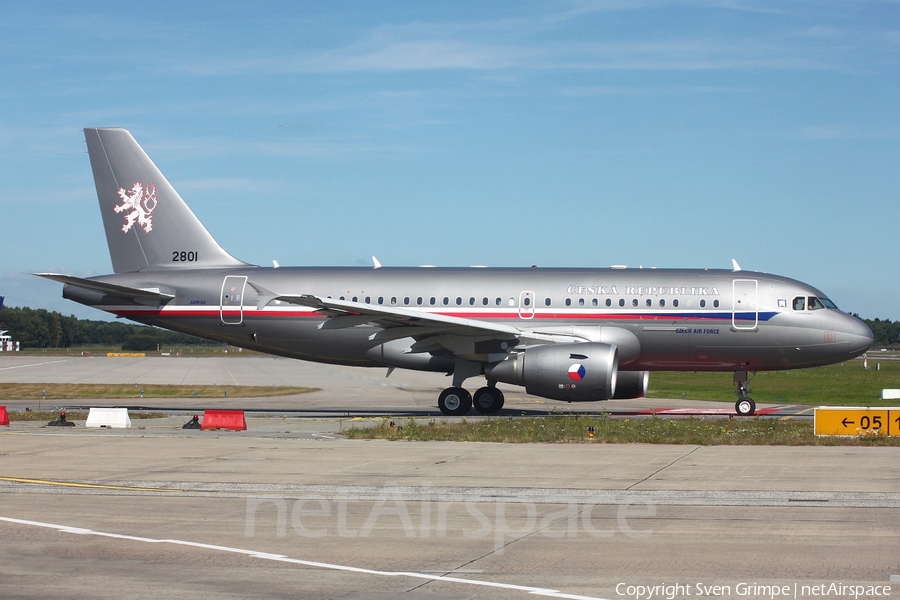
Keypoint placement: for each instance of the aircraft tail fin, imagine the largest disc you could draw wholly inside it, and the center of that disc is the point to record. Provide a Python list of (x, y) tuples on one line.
[(148, 225)]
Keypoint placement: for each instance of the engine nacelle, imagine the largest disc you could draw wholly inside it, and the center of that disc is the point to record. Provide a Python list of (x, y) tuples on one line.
[(576, 372), (631, 384)]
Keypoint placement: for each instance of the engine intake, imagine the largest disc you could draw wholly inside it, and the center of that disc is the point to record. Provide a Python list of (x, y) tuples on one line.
[(574, 372)]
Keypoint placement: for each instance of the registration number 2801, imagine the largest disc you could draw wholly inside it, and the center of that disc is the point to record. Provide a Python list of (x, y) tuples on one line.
[(185, 256)]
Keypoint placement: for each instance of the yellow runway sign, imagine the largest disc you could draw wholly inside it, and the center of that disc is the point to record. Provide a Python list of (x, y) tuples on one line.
[(839, 420)]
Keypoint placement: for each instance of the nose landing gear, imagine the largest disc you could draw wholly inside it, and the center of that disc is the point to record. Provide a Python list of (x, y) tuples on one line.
[(745, 406)]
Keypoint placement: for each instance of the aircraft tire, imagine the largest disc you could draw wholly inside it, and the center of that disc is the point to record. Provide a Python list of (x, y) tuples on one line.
[(745, 407), (455, 402), (488, 400)]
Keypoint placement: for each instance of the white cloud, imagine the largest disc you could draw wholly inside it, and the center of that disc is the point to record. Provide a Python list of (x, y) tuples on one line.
[(411, 51)]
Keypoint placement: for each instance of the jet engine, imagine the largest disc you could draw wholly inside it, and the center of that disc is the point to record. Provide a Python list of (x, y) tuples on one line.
[(631, 384), (575, 372)]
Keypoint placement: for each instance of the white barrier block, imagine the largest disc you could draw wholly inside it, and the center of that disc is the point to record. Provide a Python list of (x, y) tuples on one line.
[(890, 394), (108, 417)]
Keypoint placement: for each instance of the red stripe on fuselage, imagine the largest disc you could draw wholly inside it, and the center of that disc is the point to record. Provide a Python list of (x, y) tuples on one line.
[(486, 316)]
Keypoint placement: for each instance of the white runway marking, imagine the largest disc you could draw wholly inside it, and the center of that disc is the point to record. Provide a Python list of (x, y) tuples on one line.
[(307, 563), (40, 364)]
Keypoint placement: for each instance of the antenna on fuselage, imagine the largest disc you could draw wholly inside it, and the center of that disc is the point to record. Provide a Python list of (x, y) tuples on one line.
[(736, 266), (377, 264)]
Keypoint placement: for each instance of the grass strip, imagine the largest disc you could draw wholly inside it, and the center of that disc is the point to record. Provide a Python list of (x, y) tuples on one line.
[(844, 384), (80, 391), (569, 429), (72, 415)]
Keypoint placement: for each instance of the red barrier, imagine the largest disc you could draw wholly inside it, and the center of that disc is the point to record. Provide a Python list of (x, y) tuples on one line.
[(4, 416), (224, 419)]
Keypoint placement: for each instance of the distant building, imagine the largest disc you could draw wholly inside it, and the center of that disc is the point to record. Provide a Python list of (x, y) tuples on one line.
[(7, 344)]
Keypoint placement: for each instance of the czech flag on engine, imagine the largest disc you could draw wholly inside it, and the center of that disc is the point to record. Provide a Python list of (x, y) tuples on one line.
[(577, 372)]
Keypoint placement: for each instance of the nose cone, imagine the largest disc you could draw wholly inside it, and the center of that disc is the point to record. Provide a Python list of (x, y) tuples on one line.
[(859, 335)]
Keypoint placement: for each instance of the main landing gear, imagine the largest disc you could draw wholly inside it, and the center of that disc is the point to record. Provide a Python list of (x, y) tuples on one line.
[(456, 401), (745, 406)]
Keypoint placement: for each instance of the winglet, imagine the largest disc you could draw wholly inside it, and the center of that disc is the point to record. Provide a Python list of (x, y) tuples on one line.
[(264, 296)]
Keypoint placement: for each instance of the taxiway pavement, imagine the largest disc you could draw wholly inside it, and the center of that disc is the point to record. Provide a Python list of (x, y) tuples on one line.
[(344, 391), (276, 512)]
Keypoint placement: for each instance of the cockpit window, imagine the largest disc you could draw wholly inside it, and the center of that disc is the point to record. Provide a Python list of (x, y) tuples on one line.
[(829, 304), (814, 303)]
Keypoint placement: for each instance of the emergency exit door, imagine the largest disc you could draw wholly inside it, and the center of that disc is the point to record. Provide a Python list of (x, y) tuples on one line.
[(744, 315), (231, 307)]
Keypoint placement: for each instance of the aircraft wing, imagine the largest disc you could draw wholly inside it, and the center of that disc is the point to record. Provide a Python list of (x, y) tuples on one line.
[(110, 288), (397, 322), (472, 339)]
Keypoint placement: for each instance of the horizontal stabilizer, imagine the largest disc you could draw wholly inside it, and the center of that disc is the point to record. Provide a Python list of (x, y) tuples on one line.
[(110, 288)]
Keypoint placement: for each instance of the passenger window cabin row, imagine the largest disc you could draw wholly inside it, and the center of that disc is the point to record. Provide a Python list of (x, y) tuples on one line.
[(498, 301)]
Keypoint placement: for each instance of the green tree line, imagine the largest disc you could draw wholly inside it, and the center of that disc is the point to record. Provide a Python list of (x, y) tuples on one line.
[(886, 332), (39, 328)]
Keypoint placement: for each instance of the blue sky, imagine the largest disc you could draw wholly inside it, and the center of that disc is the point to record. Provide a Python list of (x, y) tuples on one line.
[(570, 133)]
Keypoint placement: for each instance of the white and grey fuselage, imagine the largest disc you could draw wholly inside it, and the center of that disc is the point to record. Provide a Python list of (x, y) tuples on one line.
[(684, 319), (565, 334)]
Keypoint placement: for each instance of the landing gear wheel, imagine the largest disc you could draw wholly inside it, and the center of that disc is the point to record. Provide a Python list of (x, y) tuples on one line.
[(455, 401), (488, 400), (745, 407)]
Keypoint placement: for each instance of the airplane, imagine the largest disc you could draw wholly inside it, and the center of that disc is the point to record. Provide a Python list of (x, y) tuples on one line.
[(568, 334)]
